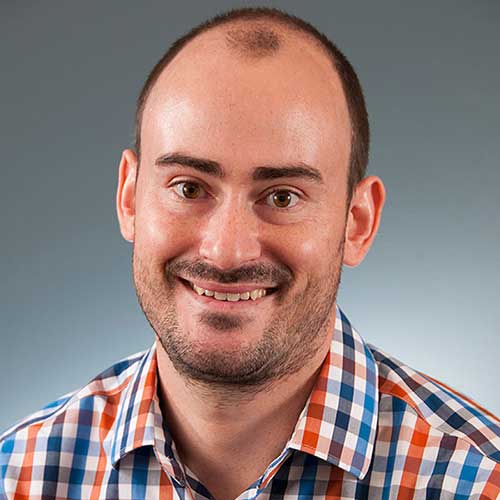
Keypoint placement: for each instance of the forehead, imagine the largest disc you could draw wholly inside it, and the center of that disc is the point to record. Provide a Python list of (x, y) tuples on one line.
[(217, 102)]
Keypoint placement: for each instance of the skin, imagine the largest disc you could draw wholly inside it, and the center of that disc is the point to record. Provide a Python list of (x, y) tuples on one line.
[(241, 372)]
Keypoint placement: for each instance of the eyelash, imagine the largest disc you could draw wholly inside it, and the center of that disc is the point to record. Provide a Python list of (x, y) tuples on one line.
[(281, 209)]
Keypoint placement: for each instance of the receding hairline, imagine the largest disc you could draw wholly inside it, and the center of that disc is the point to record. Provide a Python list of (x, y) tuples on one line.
[(259, 38), (249, 40), (286, 24)]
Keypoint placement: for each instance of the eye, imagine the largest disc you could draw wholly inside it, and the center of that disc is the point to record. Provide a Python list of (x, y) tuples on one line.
[(189, 190), (282, 199)]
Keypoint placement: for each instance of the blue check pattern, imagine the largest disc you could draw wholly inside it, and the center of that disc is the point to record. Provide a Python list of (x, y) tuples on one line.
[(372, 428)]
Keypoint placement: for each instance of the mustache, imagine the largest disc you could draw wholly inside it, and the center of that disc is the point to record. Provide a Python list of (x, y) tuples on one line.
[(279, 274)]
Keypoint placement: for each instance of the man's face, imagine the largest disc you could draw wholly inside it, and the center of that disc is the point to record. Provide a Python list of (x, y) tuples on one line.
[(232, 228)]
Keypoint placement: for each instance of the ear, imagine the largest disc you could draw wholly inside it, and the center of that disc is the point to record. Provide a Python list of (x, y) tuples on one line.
[(125, 194), (363, 219)]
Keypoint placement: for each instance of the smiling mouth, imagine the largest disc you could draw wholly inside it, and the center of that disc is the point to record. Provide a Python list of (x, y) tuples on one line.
[(253, 295)]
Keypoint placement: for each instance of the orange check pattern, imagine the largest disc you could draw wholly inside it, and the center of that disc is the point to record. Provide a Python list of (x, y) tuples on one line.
[(372, 428)]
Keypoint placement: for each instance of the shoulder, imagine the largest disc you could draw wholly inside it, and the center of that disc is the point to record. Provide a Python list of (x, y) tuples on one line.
[(441, 410), (67, 425), (103, 386)]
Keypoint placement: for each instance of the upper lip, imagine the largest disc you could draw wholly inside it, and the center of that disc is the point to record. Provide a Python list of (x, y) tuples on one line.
[(225, 288)]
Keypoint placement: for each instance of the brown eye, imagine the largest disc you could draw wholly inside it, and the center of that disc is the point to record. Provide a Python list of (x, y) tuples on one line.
[(189, 190), (282, 199)]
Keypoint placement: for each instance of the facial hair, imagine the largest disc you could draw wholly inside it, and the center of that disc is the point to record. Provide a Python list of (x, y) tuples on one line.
[(292, 337)]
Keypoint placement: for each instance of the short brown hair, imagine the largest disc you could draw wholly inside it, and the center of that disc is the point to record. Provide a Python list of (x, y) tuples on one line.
[(258, 43)]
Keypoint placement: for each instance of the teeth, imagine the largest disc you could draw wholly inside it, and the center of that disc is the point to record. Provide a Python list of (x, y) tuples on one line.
[(231, 297)]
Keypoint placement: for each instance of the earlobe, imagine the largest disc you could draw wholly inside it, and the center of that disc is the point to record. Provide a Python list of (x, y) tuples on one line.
[(125, 194), (363, 219)]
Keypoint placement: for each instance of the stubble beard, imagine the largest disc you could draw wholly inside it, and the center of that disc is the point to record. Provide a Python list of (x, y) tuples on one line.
[(293, 336)]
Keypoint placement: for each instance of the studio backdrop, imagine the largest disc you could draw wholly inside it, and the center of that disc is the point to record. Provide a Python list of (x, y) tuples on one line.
[(71, 71)]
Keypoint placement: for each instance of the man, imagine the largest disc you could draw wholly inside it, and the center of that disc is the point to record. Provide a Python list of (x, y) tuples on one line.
[(245, 195)]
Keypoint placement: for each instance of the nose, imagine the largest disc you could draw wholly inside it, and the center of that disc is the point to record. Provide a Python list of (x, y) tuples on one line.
[(230, 236)]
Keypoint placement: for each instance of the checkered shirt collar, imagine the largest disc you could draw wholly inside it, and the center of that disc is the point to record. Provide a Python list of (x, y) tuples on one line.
[(136, 402), (338, 423)]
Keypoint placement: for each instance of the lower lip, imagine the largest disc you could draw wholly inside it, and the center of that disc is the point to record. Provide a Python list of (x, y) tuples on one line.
[(224, 305)]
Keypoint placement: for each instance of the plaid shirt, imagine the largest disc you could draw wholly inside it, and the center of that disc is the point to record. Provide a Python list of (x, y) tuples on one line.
[(371, 428)]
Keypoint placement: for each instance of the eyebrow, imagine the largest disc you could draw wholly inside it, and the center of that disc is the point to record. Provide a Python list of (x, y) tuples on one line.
[(209, 167), (262, 173)]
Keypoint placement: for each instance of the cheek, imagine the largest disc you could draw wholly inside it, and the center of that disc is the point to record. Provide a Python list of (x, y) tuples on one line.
[(299, 248), (311, 252), (163, 234), (309, 248)]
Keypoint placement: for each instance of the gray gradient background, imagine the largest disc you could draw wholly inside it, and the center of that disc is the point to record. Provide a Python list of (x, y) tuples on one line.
[(70, 73)]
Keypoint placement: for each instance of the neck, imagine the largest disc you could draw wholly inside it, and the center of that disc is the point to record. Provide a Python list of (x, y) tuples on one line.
[(233, 434)]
